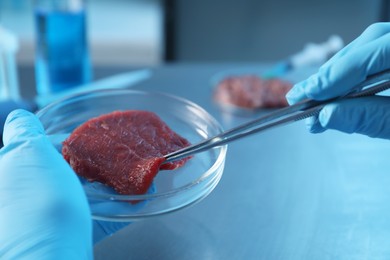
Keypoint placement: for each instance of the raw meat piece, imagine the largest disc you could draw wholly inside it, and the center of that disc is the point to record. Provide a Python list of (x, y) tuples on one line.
[(123, 150), (250, 91)]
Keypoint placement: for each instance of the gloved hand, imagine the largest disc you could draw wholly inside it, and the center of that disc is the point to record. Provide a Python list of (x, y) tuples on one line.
[(44, 213), (6, 106), (28, 151), (366, 55)]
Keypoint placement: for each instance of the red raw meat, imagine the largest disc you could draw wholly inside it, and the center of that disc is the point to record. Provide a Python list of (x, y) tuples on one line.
[(250, 91), (123, 150)]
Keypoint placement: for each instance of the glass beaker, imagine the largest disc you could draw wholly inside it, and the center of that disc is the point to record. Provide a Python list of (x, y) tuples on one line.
[(62, 53)]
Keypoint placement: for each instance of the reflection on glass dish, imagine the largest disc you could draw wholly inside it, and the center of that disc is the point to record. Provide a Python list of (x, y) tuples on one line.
[(171, 190)]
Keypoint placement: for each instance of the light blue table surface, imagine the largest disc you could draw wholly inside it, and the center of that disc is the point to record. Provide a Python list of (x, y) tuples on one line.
[(284, 194)]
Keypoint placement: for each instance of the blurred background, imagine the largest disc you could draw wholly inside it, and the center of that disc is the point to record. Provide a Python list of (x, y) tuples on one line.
[(151, 32), (119, 31)]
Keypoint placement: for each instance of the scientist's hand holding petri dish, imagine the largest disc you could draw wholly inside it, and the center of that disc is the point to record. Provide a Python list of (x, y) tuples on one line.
[(366, 55), (44, 213)]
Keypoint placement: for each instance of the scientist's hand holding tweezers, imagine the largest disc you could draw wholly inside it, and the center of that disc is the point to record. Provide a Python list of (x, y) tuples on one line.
[(366, 55)]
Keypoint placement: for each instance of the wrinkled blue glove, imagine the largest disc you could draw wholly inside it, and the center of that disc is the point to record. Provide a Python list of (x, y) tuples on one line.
[(366, 55), (44, 213)]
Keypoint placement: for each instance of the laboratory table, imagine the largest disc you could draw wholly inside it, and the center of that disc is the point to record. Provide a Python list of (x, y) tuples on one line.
[(284, 193)]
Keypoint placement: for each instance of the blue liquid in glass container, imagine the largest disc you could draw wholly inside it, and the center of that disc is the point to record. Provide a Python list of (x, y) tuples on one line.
[(62, 59)]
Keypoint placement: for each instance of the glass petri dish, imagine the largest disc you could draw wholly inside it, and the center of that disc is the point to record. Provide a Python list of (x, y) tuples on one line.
[(172, 189)]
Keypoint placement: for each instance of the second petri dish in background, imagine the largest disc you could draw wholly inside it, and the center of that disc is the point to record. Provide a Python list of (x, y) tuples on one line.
[(248, 92)]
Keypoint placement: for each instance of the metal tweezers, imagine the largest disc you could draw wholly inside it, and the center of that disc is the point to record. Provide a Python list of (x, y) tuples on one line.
[(371, 86)]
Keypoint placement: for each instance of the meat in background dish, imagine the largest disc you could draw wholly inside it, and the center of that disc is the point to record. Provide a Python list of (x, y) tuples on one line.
[(252, 92)]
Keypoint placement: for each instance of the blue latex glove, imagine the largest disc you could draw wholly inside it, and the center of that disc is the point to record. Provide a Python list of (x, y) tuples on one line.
[(42, 180), (366, 55), (44, 213)]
